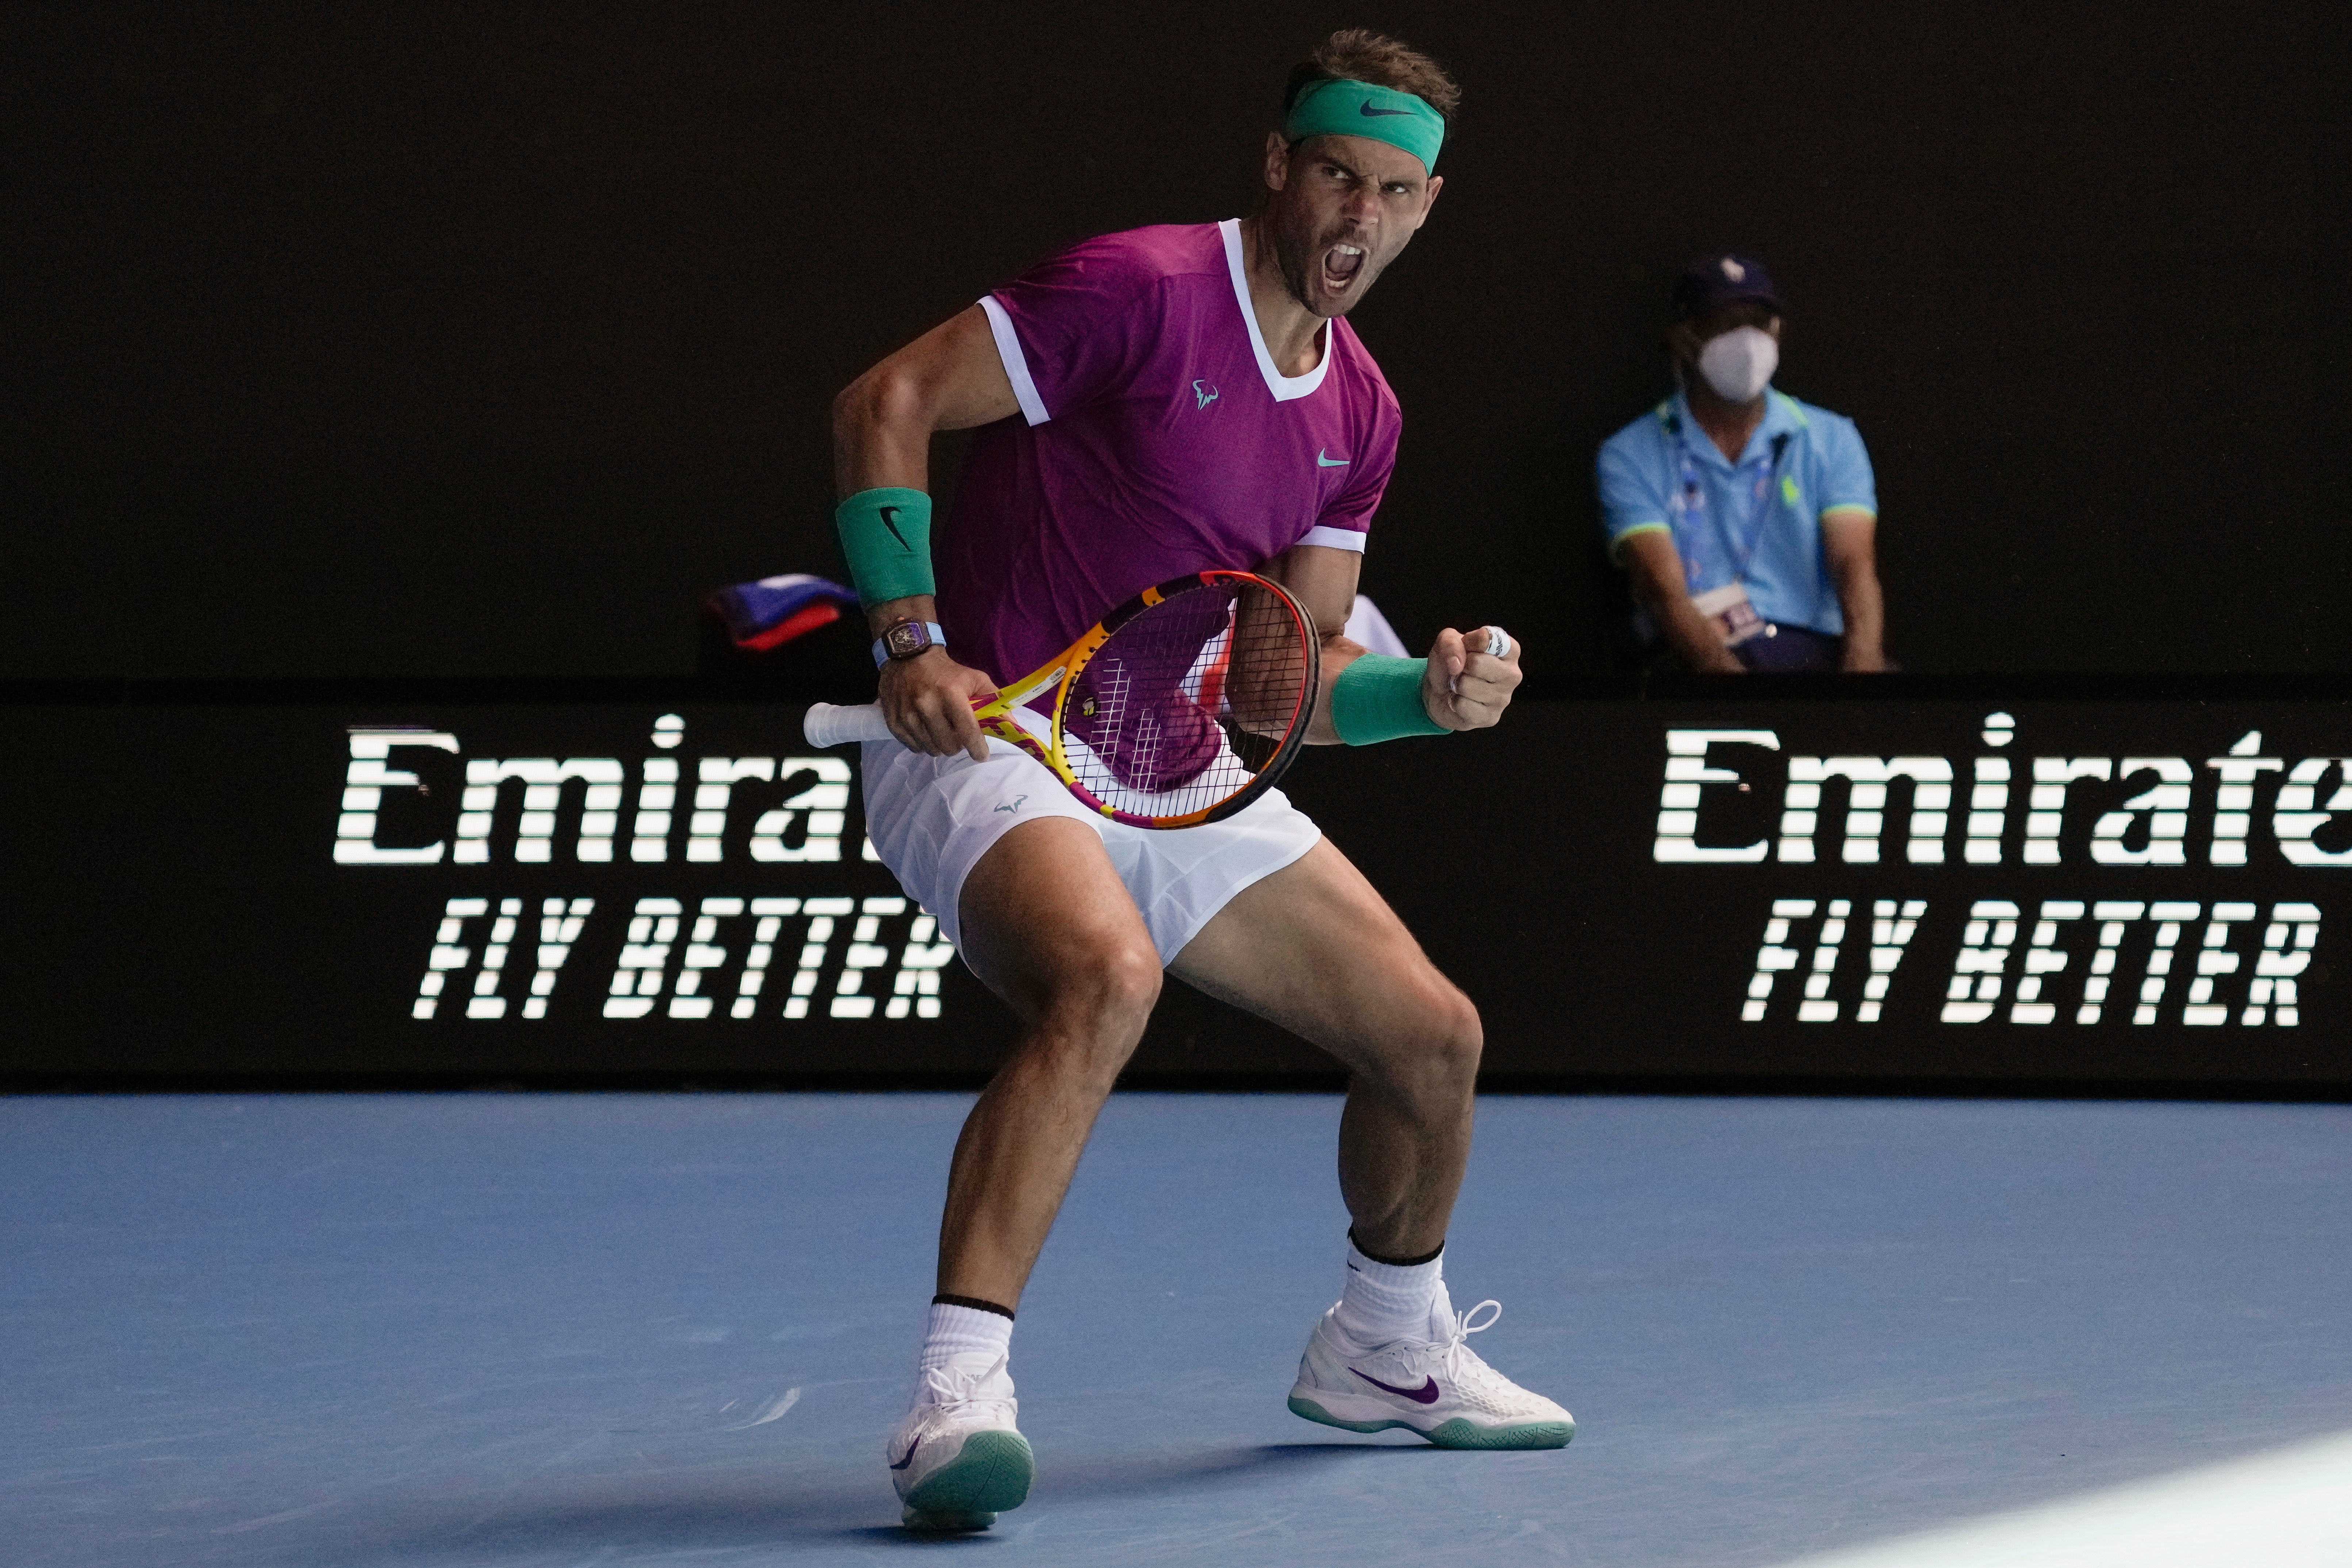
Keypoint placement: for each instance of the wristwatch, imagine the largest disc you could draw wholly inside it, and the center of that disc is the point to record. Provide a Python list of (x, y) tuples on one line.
[(905, 639)]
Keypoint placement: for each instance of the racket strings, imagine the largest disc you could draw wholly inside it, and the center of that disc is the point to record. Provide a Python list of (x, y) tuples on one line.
[(1187, 702), (1268, 670)]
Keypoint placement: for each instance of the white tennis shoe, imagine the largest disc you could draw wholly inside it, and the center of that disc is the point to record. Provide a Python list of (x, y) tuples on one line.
[(956, 1457), (1438, 1388)]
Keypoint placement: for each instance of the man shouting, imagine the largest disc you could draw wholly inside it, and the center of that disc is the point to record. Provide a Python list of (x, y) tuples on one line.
[(1157, 403)]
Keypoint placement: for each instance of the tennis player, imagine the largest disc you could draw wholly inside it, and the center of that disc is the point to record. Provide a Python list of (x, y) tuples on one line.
[(1152, 404)]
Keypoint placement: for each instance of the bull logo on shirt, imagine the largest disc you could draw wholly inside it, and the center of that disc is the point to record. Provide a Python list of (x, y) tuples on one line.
[(1205, 392)]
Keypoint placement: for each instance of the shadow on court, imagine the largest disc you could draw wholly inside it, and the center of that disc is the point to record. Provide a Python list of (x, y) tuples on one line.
[(695, 1518), (1266, 1461)]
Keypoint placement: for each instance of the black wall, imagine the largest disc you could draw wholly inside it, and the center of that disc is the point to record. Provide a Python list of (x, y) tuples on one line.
[(482, 339)]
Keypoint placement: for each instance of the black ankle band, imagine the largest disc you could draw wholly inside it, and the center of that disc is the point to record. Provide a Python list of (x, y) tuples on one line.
[(977, 1305), (1428, 1257)]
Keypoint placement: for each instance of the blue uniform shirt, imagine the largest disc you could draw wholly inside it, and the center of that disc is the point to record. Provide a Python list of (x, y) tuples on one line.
[(1758, 522)]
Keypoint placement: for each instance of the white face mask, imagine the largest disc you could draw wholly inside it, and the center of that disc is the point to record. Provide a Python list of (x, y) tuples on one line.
[(1739, 363)]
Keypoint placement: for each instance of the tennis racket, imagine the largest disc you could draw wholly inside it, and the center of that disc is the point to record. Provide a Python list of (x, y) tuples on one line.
[(1184, 704)]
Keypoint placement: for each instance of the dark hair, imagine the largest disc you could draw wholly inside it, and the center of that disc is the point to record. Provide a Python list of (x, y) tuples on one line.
[(1359, 54)]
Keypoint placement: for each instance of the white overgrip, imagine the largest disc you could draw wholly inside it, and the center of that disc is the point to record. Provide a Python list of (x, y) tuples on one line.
[(831, 724)]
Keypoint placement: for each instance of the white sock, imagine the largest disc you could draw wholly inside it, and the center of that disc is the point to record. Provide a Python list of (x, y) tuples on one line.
[(1384, 1302), (961, 1331)]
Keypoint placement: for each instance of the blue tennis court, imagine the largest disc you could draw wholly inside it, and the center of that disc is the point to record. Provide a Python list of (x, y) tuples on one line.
[(540, 1329)]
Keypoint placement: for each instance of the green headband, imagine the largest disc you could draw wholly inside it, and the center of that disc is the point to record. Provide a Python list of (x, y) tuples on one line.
[(1338, 107)]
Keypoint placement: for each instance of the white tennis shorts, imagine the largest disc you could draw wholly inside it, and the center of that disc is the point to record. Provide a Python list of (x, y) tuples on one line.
[(931, 818)]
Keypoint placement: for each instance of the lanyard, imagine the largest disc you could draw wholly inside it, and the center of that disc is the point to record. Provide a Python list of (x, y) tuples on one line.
[(1761, 510)]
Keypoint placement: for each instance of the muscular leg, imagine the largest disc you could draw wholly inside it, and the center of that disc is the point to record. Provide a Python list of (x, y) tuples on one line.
[(1315, 949), (1048, 926)]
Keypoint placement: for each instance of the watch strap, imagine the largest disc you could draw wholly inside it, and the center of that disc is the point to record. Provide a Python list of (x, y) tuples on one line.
[(935, 636)]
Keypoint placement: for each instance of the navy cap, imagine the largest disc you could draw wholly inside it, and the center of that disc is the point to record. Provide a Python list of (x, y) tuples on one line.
[(1716, 280)]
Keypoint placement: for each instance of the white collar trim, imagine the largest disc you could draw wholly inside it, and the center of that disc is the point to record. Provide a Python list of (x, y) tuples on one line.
[(1284, 387)]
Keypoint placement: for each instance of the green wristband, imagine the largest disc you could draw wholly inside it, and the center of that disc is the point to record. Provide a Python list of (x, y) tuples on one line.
[(1378, 697), (887, 536)]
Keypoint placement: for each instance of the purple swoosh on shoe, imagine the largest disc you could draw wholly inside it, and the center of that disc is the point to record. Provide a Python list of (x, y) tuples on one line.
[(1425, 1395), (918, 1443)]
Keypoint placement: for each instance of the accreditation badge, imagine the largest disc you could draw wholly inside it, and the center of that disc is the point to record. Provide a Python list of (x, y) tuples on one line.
[(1734, 617)]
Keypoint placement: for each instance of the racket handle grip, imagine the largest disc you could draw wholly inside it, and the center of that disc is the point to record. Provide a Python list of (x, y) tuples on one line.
[(829, 724)]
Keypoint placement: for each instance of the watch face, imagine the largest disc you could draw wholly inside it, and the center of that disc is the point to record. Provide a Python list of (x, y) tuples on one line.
[(906, 639)]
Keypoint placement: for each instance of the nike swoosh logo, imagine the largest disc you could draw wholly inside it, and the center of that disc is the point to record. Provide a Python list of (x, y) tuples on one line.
[(1323, 462), (890, 521), (1425, 1395), (1369, 111), (918, 1443)]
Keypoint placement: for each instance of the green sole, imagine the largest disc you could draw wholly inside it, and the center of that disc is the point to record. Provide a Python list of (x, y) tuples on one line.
[(1457, 1433), (990, 1476)]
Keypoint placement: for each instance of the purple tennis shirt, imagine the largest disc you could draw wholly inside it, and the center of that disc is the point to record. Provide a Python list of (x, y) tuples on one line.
[(1155, 437)]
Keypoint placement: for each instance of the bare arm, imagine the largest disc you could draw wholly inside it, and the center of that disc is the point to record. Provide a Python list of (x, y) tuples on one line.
[(948, 379), (1460, 689), (1656, 568), (1850, 550), (1323, 581)]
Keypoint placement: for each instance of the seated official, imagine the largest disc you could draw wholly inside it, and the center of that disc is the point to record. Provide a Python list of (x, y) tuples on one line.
[(1746, 518)]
